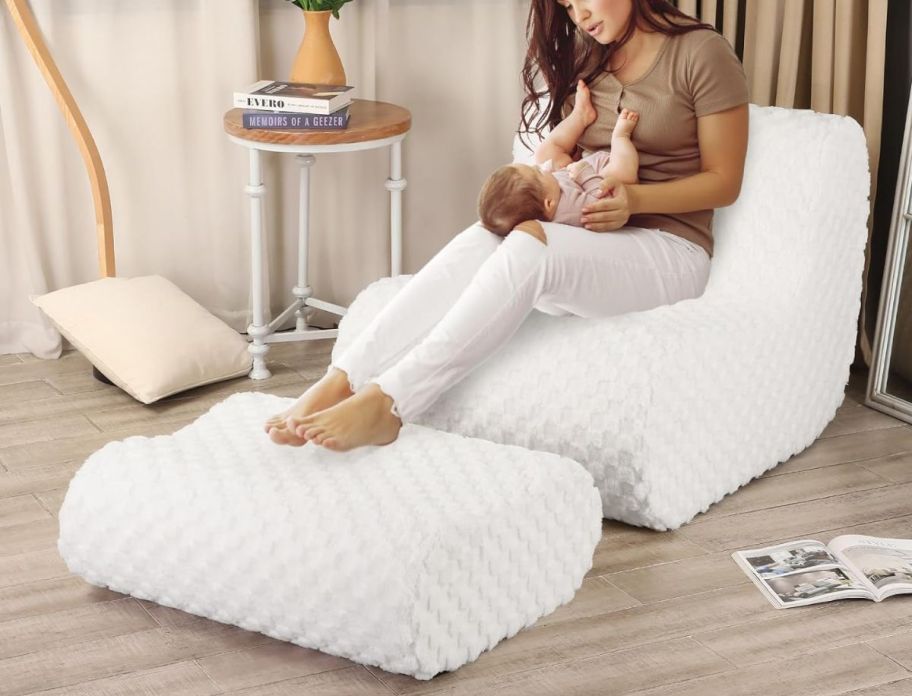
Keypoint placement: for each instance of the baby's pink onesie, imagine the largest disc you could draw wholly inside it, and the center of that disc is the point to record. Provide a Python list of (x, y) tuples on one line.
[(576, 194)]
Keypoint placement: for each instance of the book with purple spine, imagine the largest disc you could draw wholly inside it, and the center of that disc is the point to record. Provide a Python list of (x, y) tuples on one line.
[(277, 120)]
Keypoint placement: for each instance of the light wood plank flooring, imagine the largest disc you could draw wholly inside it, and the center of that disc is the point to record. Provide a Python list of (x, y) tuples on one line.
[(659, 613)]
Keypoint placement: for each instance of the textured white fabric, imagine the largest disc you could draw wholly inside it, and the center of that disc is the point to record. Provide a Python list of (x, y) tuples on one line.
[(674, 407), (415, 556)]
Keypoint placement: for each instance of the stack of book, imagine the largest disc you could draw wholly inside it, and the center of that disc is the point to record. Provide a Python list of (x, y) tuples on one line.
[(277, 105)]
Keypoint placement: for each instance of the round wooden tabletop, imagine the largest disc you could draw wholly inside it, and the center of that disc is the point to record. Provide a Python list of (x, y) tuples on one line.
[(368, 120)]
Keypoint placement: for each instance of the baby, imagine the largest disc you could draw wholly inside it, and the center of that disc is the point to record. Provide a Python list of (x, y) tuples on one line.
[(557, 188)]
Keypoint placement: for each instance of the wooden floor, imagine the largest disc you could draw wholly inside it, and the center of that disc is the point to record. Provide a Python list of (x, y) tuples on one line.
[(660, 613)]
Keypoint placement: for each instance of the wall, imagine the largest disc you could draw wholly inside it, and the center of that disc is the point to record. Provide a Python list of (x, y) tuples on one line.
[(456, 67)]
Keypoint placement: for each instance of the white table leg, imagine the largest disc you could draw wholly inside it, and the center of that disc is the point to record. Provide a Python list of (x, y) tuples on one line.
[(396, 185), (258, 329), (302, 290)]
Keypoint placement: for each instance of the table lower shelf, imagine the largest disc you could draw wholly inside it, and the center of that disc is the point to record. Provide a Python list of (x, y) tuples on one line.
[(259, 337), (309, 334)]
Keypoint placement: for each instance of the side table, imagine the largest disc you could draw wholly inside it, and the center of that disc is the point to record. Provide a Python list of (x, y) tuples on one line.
[(372, 124)]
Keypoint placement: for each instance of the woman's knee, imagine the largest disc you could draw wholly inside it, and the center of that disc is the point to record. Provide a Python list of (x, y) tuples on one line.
[(478, 235), (534, 228), (470, 247)]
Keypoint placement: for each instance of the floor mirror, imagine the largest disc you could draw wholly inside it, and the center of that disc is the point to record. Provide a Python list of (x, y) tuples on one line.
[(890, 378)]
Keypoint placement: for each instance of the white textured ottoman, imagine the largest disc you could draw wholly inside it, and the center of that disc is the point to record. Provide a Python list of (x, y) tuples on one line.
[(415, 557), (675, 407)]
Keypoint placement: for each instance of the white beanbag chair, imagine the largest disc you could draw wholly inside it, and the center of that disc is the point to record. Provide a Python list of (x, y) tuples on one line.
[(414, 557), (672, 408)]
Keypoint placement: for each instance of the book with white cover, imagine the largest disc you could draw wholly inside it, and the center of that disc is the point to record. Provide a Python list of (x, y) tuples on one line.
[(294, 97), (797, 573)]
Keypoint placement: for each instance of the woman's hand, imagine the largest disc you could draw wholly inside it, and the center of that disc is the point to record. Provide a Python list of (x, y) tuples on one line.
[(611, 211)]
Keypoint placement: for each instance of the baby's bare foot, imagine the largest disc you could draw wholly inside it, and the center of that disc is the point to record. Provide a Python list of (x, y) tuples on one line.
[(363, 419), (626, 122), (329, 390), (582, 107)]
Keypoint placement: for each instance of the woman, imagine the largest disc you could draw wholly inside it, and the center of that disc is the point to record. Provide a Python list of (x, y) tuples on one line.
[(641, 246)]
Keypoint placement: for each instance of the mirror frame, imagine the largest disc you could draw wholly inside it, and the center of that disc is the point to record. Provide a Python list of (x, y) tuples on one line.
[(876, 395)]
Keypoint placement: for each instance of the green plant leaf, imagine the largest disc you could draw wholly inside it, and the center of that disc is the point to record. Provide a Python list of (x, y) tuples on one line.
[(321, 5)]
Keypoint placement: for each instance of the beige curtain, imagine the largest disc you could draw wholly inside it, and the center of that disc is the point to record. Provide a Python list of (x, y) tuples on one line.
[(825, 55)]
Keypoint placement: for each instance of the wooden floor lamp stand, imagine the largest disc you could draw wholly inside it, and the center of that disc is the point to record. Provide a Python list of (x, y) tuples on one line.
[(31, 35)]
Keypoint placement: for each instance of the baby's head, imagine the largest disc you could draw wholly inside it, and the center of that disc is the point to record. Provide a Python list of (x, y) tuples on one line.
[(515, 193)]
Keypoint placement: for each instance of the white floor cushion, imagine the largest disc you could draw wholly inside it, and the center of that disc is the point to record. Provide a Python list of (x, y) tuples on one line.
[(414, 557), (672, 408)]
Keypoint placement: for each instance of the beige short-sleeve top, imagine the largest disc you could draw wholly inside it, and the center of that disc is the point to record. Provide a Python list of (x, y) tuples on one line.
[(693, 74)]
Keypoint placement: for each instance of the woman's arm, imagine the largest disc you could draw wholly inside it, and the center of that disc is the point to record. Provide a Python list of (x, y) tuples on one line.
[(696, 192), (722, 139), (549, 151)]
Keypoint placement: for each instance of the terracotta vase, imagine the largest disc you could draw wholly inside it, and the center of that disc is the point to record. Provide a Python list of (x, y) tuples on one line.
[(317, 59)]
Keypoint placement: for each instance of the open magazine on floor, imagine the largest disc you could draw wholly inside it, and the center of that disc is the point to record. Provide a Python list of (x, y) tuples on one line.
[(807, 571)]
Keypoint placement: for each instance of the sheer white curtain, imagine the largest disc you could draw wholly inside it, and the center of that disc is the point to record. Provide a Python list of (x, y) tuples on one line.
[(153, 81)]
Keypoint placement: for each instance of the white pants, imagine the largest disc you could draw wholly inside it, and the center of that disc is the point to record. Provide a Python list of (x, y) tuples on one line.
[(471, 297)]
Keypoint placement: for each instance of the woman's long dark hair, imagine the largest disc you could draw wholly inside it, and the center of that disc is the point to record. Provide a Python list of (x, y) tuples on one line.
[(562, 55)]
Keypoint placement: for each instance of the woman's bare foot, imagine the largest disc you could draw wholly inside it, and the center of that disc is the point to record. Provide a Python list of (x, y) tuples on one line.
[(362, 419), (626, 122), (583, 110), (329, 390)]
